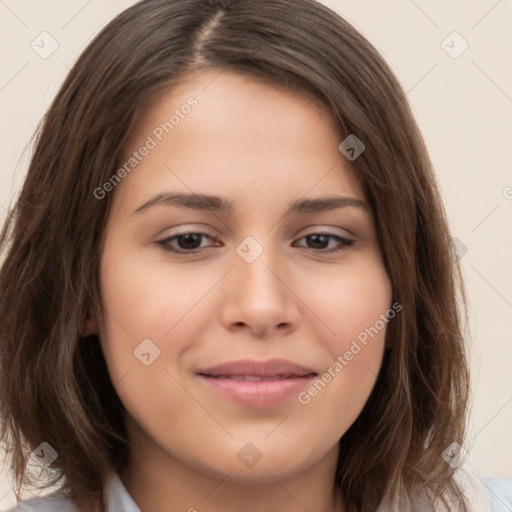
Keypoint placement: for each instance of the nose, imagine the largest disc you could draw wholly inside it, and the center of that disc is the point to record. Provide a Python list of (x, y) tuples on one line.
[(259, 297)]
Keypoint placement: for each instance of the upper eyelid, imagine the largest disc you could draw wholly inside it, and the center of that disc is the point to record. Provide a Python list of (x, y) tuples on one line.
[(311, 229), (319, 231)]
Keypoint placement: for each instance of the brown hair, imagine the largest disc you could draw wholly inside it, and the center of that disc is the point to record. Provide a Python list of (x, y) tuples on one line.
[(54, 385)]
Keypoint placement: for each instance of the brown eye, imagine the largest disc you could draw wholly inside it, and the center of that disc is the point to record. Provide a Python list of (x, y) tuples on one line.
[(183, 242), (320, 242)]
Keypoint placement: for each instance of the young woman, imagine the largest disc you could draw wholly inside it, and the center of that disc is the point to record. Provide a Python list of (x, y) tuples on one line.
[(228, 281)]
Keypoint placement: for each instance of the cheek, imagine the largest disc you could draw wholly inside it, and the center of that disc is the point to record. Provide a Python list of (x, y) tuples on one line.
[(135, 308), (352, 301), (146, 299), (355, 307), (141, 304)]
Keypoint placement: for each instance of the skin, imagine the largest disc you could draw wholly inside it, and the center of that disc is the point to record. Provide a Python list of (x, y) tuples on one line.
[(260, 146)]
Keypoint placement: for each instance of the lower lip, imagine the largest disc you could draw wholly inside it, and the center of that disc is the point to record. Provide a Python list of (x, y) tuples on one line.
[(258, 393)]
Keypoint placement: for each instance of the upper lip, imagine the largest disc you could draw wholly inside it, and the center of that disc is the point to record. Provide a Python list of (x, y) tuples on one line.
[(270, 368)]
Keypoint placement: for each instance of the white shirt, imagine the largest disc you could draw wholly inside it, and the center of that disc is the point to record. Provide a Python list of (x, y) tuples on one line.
[(117, 500), (491, 495)]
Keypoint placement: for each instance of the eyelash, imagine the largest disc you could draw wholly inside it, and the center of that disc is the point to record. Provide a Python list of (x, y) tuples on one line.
[(165, 243)]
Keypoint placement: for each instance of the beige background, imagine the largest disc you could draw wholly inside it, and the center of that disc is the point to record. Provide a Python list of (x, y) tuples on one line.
[(463, 106)]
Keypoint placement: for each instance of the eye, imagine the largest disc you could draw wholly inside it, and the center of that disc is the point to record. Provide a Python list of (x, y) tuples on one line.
[(320, 242), (191, 242), (188, 243)]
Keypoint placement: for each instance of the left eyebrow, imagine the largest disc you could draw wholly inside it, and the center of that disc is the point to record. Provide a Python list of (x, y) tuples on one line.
[(326, 203), (221, 205)]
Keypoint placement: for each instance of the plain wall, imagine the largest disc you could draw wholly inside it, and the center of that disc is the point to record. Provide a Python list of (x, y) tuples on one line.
[(463, 105)]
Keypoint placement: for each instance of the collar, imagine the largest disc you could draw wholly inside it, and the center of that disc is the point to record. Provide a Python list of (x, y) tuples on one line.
[(117, 497)]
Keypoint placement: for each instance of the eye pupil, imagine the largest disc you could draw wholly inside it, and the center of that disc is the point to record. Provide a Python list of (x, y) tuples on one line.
[(319, 241), (191, 241)]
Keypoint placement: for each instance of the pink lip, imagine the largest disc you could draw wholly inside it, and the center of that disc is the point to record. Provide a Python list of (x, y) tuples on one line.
[(283, 379)]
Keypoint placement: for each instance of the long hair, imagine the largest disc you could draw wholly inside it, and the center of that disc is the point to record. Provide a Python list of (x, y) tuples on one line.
[(54, 385)]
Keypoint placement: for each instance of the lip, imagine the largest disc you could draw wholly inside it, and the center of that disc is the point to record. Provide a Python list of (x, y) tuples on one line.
[(268, 382)]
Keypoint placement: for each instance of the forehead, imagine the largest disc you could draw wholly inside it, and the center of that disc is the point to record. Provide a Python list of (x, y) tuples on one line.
[(243, 135)]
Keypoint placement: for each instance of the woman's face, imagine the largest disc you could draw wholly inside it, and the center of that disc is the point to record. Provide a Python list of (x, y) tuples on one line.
[(250, 345)]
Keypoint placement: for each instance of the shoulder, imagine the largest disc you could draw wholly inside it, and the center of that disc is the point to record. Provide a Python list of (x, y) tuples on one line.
[(490, 494), (117, 500), (55, 502), (500, 493)]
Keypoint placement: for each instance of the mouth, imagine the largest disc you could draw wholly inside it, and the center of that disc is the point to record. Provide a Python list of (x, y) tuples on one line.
[(256, 383), (253, 378)]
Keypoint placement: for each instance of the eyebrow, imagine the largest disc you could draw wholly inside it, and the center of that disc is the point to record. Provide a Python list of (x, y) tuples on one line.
[(221, 205)]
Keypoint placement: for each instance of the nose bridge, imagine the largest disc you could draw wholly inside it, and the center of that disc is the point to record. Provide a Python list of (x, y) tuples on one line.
[(256, 266), (258, 296)]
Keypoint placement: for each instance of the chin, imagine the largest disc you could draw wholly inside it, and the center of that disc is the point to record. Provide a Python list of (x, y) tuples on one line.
[(265, 472), (271, 463)]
